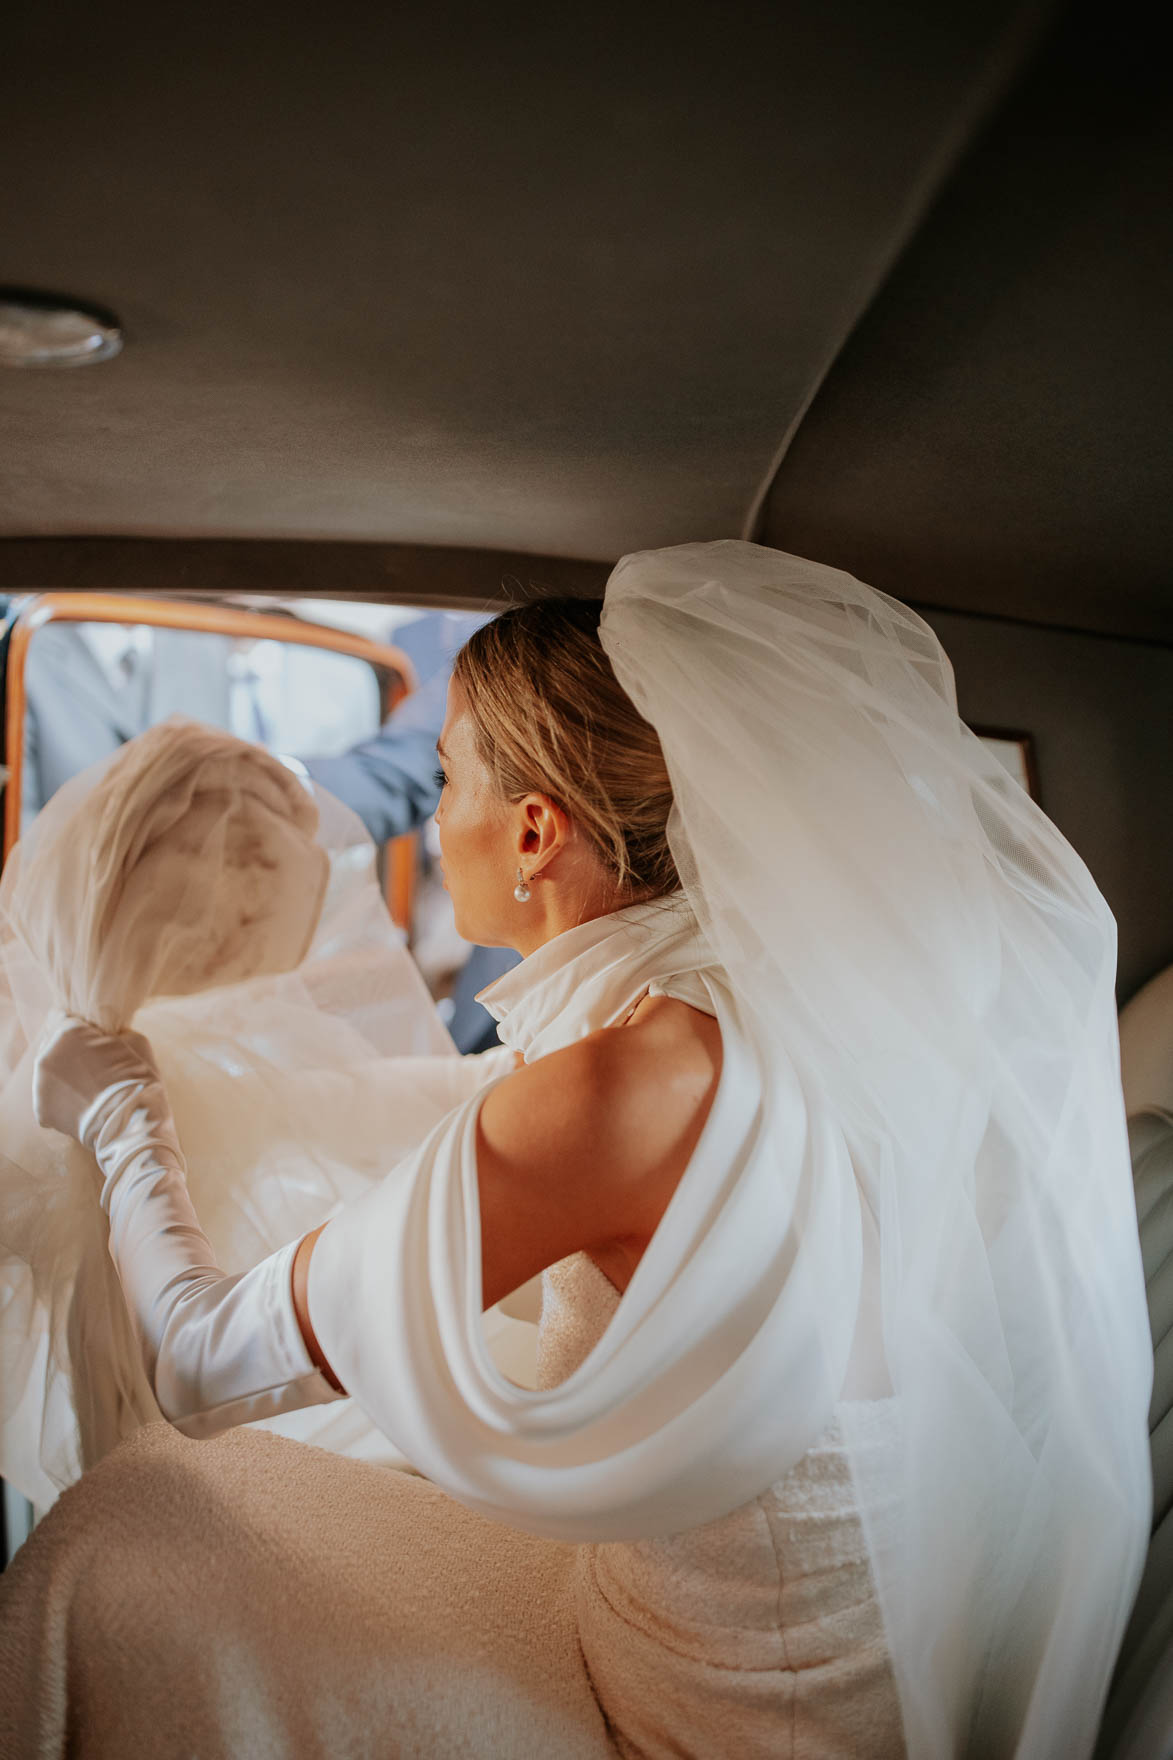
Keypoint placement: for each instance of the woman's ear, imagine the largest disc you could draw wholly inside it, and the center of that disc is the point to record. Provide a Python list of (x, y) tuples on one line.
[(543, 829)]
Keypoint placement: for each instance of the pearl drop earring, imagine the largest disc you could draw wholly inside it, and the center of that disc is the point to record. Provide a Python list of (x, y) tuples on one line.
[(521, 891)]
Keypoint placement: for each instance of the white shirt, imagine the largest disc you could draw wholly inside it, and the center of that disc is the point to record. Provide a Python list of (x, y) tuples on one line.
[(123, 652)]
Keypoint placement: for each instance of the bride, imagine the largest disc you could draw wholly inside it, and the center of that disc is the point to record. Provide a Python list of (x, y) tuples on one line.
[(812, 1124)]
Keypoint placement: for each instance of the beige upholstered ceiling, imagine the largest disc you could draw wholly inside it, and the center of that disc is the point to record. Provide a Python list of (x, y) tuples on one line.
[(996, 434), (866, 279)]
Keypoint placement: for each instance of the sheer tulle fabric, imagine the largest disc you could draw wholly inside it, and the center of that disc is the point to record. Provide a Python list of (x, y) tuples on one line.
[(915, 948), (293, 1090), (191, 863)]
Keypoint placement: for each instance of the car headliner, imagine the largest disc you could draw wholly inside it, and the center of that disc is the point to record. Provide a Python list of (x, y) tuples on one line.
[(413, 302)]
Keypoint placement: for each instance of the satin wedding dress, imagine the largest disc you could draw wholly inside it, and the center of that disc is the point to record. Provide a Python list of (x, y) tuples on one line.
[(329, 1607)]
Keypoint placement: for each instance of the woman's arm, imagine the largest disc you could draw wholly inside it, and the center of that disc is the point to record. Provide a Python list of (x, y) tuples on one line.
[(581, 1151), (218, 1350)]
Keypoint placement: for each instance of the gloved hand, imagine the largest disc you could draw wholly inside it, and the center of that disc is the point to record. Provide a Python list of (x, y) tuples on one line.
[(218, 1350), (103, 1090)]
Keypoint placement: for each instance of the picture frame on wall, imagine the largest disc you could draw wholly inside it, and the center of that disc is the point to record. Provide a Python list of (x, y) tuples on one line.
[(1015, 751)]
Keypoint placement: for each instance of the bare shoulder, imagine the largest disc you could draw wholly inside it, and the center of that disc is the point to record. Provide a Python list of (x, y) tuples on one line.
[(583, 1149), (624, 1089)]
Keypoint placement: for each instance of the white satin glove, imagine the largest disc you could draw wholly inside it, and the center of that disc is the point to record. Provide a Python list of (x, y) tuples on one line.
[(104, 1091), (218, 1350)]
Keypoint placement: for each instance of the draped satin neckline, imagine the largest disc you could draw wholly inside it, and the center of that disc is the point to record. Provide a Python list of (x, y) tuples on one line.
[(590, 976)]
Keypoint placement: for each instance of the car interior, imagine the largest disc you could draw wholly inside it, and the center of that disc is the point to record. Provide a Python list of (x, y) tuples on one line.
[(396, 314)]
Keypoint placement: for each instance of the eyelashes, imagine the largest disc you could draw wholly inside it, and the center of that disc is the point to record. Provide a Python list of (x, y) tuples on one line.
[(440, 779)]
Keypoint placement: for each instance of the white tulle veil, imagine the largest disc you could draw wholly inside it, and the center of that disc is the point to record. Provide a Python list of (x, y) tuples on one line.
[(906, 931), (194, 885)]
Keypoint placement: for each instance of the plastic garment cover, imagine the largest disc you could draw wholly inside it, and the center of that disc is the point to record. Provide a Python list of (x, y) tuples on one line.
[(293, 1090), (917, 1145)]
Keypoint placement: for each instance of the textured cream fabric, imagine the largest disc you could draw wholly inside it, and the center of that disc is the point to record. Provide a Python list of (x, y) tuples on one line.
[(254, 1597), (757, 1635)]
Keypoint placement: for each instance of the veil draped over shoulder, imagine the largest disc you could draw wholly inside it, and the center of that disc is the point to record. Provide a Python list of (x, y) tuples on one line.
[(193, 885), (909, 937)]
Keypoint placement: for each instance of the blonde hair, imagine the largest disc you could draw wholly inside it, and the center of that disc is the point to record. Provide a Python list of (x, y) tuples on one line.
[(552, 718)]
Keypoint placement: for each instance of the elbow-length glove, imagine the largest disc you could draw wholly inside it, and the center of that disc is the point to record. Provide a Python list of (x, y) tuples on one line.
[(219, 1350)]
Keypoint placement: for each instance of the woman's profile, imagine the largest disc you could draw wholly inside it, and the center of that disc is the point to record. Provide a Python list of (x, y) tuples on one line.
[(812, 1126)]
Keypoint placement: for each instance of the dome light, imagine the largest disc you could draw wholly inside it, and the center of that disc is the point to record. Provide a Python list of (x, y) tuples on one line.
[(41, 330)]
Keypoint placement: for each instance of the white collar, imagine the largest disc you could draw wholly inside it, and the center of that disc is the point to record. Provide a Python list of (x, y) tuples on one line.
[(589, 976), (111, 643)]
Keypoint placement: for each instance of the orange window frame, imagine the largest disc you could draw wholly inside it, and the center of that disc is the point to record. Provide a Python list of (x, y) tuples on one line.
[(393, 669)]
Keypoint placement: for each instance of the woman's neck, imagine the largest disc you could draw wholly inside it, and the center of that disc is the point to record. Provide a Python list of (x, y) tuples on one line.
[(558, 910)]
